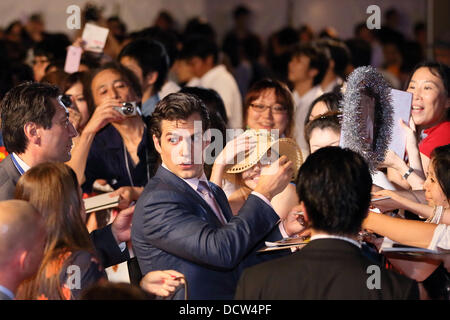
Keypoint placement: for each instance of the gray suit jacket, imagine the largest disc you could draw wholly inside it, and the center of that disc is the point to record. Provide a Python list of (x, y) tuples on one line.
[(9, 175)]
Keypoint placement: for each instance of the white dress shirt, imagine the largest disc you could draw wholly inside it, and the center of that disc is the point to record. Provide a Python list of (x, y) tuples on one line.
[(329, 236), (168, 88), (302, 105)]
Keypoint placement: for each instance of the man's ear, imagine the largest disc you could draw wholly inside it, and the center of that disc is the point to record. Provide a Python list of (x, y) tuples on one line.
[(156, 143), (151, 78), (312, 72), (32, 132)]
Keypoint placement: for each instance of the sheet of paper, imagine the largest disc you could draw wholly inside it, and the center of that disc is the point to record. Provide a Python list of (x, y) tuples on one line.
[(73, 59), (401, 103), (94, 37), (380, 179)]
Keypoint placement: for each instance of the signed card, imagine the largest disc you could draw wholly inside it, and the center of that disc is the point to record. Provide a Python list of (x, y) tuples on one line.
[(94, 37)]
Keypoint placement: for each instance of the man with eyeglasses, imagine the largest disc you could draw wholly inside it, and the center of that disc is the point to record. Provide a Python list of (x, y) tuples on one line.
[(36, 129)]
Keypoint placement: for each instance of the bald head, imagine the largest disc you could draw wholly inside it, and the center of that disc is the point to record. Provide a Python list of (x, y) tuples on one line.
[(20, 228)]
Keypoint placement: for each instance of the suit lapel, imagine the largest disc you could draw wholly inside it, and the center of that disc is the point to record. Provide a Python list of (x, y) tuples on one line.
[(181, 185)]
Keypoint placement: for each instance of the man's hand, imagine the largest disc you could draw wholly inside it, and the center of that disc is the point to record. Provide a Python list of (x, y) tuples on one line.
[(127, 195), (275, 178), (295, 224), (162, 283), (121, 227), (235, 148)]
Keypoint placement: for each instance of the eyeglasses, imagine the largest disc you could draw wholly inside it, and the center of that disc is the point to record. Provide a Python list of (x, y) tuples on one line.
[(276, 109), (39, 61), (65, 100)]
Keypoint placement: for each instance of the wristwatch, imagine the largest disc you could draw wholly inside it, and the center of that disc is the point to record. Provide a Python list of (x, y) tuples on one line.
[(406, 175)]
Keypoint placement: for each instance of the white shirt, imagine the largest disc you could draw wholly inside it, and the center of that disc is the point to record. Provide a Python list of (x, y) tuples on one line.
[(337, 81), (22, 164), (329, 236), (302, 105), (7, 292), (168, 88), (441, 238), (219, 79)]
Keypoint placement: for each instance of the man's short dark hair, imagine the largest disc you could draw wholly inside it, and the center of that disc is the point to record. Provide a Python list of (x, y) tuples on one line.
[(334, 185), (201, 47), (339, 53), (318, 59), (178, 106), (151, 56), (27, 102)]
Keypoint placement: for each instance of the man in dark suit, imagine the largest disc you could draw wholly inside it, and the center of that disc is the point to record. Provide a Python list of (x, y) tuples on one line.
[(178, 225), (36, 129), (334, 187)]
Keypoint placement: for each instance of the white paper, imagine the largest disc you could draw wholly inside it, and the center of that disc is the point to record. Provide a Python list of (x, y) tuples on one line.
[(94, 37), (380, 179), (401, 103)]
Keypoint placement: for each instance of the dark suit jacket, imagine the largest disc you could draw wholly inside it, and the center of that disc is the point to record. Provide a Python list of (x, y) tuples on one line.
[(324, 269), (174, 228), (103, 239)]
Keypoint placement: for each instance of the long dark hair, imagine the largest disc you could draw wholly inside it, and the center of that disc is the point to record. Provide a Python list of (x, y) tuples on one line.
[(440, 158)]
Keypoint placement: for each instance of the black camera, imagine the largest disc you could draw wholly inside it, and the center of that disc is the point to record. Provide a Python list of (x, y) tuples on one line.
[(129, 109)]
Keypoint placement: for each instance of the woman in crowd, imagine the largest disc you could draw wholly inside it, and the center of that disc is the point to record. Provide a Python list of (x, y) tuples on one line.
[(76, 86), (430, 108), (268, 105), (113, 146), (52, 188), (323, 131), (327, 102), (437, 192)]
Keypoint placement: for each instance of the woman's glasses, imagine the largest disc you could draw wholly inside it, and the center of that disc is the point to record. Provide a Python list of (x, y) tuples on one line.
[(276, 109)]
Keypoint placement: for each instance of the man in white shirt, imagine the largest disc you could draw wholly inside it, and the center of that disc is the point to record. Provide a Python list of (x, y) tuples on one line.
[(334, 187), (22, 241), (339, 58), (201, 54), (307, 68)]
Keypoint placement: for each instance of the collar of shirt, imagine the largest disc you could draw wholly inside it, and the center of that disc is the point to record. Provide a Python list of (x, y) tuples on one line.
[(7, 292), (19, 162), (193, 182), (309, 96), (149, 105), (211, 74), (329, 236)]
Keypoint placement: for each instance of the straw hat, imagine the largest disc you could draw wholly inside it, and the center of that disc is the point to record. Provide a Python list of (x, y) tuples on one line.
[(265, 142)]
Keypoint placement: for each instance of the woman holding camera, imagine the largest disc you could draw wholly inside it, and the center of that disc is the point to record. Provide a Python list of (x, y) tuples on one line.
[(113, 145)]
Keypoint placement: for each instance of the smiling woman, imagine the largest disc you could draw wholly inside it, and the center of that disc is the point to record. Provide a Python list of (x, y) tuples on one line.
[(429, 85)]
